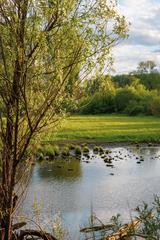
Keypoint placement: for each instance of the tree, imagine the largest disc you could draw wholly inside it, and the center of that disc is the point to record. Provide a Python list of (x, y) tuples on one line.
[(42, 43), (99, 83), (146, 67), (125, 80)]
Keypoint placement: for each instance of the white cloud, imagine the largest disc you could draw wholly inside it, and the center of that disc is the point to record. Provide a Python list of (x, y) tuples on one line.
[(127, 57), (144, 40)]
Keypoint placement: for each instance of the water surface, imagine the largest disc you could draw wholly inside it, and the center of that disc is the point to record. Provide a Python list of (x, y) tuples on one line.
[(73, 187)]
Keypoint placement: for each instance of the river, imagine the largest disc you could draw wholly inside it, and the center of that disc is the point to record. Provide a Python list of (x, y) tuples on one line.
[(75, 188)]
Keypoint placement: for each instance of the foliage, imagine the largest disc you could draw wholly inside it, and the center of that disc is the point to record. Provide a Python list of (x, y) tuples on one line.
[(44, 46), (65, 151), (149, 216), (124, 80), (146, 224), (150, 81), (134, 108), (86, 149), (46, 150), (98, 103), (58, 229), (124, 96), (101, 83), (78, 150), (155, 106), (146, 67)]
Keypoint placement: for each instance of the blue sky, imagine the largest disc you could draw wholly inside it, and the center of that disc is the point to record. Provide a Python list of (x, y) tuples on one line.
[(144, 36)]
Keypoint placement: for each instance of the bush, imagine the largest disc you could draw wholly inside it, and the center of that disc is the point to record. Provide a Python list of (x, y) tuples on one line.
[(86, 149), (133, 110), (95, 149), (78, 150), (56, 150), (139, 107), (155, 106), (132, 100), (47, 151), (124, 96), (65, 151), (99, 103)]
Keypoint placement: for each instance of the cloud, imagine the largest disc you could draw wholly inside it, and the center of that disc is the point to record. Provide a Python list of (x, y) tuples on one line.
[(128, 56), (144, 36)]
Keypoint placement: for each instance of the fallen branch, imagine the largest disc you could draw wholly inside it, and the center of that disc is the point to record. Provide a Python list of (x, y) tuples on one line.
[(96, 228), (17, 226), (124, 230), (35, 233)]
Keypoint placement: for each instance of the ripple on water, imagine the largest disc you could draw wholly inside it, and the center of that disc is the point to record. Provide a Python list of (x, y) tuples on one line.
[(91, 184)]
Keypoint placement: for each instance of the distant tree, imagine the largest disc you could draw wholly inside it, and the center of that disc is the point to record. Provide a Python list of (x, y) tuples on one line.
[(42, 43), (150, 81), (146, 67), (125, 80), (155, 106), (99, 83)]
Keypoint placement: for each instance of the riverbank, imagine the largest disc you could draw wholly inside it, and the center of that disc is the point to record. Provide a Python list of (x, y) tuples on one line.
[(107, 128)]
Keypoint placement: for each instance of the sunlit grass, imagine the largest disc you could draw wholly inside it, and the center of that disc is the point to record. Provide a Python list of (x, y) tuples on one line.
[(109, 128)]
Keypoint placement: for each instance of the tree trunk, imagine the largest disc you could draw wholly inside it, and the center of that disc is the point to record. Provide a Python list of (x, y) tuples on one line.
[(7, 206), (8, 178)]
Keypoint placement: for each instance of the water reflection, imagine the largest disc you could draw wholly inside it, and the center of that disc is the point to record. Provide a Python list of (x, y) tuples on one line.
[(72, 186), (61, 169)]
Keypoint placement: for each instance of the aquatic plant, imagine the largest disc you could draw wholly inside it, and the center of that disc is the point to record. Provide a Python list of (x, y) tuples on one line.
[(40, 156), (58, 229), (71, 146), (101, 150), (95, 149), (107, 151), (56, 150), (86, 149), (46, 151), (78, 150), (65, 151)]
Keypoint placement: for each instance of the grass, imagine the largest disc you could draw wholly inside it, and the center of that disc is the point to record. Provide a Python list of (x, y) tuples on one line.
[(112, 128)]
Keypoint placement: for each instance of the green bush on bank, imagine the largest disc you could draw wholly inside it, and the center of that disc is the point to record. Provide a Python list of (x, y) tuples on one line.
[(131, 100), (123, 97), (155, 106), (98, 103)]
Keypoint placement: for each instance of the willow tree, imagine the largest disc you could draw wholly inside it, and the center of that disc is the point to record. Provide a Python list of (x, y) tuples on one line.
[(42, 44)]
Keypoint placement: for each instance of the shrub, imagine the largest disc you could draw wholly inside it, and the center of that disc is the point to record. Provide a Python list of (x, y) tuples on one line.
[(86, 149), (98, 103), (71, 146), (47, 150), (56, 150), (134, 108), (78, 150), (96, 149), (101, 150), (65, 151), (124, 96), (40, 156), (155, 106)]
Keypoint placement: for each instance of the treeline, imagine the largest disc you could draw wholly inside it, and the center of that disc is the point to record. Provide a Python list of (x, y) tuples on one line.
[(131, 94)]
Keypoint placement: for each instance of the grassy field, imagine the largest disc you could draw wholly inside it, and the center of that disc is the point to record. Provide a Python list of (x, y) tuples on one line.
[(109, 128)]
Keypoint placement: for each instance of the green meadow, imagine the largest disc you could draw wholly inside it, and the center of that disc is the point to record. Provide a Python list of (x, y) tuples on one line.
[(111, 128)]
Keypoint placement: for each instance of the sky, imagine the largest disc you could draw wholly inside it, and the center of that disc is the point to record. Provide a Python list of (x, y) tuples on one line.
[(144, 35)]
